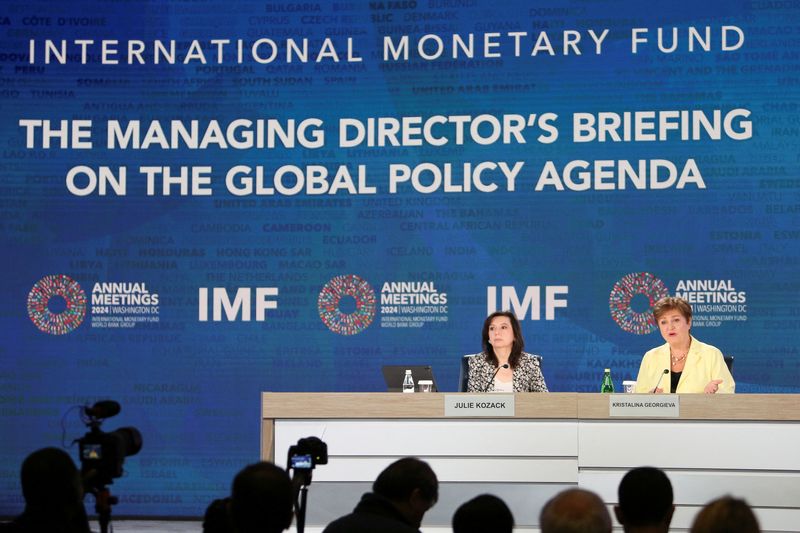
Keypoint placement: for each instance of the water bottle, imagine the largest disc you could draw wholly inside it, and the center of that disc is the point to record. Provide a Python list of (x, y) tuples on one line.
[(608, 385), (408, 382)]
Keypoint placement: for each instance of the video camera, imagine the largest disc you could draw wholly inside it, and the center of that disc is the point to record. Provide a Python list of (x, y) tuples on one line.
[(101, 453)]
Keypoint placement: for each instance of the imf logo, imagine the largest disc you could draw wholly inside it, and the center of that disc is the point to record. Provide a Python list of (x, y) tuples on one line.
[(531, 301)]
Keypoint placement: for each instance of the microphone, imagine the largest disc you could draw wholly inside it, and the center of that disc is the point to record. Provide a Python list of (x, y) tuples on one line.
[(103, 409), (491, 381), (664, 373)]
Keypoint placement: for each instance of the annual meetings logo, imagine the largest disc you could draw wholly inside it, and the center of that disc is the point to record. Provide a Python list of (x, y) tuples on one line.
[(348, 287), (625, 290), (57, 304), (348, 304)]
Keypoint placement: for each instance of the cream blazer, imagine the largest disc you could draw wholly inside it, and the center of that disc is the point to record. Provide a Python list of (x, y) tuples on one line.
[(703, 363)]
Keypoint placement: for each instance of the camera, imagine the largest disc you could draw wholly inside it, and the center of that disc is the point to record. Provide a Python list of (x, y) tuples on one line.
[(307, 454), (303, 457), (101, 453)]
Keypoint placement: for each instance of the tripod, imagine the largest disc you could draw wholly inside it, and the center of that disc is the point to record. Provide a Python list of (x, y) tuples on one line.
[(301, 480), (103, 500)]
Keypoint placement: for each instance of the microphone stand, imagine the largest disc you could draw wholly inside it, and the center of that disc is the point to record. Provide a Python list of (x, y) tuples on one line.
[(489, 385), (664, 373)]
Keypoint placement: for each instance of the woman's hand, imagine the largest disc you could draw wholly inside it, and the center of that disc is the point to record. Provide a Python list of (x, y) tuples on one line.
[(657, 390), (713, 386)]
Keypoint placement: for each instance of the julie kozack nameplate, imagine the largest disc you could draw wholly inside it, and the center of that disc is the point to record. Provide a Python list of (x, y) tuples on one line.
[(479, 405)]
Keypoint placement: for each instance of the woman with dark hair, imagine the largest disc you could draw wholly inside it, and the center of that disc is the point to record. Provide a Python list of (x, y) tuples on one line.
[(685, 364), (502, 366)]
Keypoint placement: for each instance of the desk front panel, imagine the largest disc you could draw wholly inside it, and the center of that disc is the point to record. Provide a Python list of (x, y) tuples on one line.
[(740, 445), (525, 462)]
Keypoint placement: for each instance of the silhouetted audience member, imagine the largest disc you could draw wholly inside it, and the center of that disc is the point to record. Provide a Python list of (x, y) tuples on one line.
[(575, 511), (217, 517), (483, 513), (261, 499), (645, 501), (726, 515), (400, 497), (51, 487)]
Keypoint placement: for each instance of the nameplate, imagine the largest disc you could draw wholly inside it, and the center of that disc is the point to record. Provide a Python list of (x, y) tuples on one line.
[(644, 405), (479, 405)]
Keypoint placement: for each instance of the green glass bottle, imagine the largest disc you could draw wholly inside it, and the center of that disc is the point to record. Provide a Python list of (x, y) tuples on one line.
[(608, 385)]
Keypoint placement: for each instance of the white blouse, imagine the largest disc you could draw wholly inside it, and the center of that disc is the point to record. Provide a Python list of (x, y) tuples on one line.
[(503, 386)]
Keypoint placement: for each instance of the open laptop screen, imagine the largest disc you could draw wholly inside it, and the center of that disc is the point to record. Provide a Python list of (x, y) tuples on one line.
[(393, 376)]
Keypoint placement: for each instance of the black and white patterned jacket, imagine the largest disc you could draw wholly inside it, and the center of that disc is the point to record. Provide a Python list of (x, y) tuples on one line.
[(527, 376)]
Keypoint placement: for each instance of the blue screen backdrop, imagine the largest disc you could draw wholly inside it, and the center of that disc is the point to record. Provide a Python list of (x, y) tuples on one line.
[(306, 264)]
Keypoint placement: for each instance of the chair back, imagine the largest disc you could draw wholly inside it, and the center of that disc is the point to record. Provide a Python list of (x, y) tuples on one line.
[(463, 374), (729, 362)]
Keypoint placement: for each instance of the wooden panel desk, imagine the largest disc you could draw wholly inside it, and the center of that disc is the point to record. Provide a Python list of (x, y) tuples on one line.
[(745, 445)]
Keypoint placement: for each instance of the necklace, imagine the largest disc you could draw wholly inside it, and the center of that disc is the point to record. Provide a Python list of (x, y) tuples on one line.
[(676, 360)]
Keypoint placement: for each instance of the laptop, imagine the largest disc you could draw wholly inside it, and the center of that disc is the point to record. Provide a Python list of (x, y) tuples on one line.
[(393, 375)]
